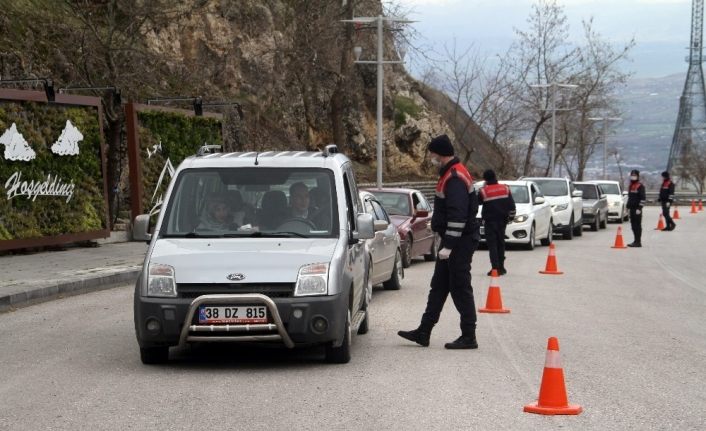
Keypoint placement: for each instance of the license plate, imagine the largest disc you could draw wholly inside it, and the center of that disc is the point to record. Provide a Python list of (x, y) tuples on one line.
[(232, 314), (482, 230)]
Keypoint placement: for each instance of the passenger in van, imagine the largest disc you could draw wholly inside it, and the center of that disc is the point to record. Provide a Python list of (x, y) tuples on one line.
[(217, 214), (299, 200)]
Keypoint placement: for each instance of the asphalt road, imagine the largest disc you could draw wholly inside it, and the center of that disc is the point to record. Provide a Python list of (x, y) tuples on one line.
[(631, 326)]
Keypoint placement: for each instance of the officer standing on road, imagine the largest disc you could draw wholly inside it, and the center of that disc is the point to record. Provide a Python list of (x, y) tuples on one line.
[(454, 219), (498, 211), (636, 200), (666, 197)]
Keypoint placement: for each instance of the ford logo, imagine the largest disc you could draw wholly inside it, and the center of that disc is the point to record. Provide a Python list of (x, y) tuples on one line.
[(235, 277)]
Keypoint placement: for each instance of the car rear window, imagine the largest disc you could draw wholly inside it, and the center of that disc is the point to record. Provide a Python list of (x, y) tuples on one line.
[(394, 203), (589, 190), (610, 189), (519, 194)]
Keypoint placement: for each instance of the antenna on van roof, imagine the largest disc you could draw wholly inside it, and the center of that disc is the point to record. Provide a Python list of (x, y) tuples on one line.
[(330, 150), (256, 162)]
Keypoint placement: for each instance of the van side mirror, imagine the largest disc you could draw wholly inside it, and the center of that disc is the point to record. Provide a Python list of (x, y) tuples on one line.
[(140, 228), (380, 225), (539, 200), (366, 227), (577, 194)]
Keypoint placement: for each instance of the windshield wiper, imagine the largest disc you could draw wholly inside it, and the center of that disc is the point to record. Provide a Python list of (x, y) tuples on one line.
[(260, 234)]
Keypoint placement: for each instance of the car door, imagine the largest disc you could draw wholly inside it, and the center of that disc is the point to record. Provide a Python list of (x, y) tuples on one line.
[(357, 256), (602, 203), (387, 249), (376, 244), (423, 235), (542, 212)]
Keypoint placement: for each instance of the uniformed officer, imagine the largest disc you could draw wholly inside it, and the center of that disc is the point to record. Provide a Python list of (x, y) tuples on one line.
[(666, 197), (454, 219), (498, 210), (636, 200)]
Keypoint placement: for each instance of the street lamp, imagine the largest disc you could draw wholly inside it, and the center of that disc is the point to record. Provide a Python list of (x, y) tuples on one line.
[(605, 121), (554, 86), (379, 61)]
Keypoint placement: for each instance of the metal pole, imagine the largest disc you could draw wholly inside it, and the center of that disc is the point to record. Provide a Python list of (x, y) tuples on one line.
[(379, 102), (551, 165), (605, 144)]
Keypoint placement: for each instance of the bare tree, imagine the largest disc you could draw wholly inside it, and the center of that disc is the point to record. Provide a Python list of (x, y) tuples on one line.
[(692, 167)]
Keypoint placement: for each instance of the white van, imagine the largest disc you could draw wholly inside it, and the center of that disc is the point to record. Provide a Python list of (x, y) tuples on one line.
[(256, 247)]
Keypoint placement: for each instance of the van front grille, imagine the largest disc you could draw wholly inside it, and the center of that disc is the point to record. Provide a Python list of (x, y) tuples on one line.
[(272, 290)]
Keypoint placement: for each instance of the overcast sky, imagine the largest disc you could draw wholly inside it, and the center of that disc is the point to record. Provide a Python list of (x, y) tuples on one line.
[(661, 27)]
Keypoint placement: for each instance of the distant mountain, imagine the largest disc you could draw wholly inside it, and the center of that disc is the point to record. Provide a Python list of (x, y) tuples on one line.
[(649, 110)]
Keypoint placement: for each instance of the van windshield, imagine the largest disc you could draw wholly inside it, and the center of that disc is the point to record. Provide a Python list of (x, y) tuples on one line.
[(552, 187), (252, 202)]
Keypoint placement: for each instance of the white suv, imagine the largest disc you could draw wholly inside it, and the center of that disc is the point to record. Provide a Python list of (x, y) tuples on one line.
[(566, 202), (256, 247)]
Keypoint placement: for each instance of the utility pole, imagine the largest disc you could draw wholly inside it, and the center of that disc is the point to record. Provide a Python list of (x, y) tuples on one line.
[(605, 121), (553, 85), (380, 62)]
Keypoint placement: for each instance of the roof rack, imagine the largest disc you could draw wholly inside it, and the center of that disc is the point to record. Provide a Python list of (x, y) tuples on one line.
[(209, 149)]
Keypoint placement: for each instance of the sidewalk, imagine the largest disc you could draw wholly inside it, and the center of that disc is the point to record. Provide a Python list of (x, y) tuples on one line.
[(43, 276)]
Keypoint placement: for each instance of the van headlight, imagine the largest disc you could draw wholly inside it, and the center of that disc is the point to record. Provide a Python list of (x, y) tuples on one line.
[(521, 218), (312, 280), (561, 207), (160, 281)]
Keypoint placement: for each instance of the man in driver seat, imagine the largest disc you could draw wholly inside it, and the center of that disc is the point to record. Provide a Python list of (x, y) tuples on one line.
[(299, 200)]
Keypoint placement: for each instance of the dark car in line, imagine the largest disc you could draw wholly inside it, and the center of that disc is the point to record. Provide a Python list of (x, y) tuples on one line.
[(411, 213)]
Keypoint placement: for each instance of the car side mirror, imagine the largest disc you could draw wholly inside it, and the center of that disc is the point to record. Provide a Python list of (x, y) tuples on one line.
[(140, 228), (379, 225), (625, 192), (366, 227), (421, 213), (604, 196), (539, 200), (577, 194)]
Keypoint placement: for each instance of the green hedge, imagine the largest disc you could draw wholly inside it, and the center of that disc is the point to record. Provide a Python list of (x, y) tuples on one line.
[(41, 125), (180, 136)]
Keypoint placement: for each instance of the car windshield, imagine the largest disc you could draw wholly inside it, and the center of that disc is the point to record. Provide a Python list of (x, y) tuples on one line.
[(394, 203), (252, 202), (589, 190), (610, 189), (519, 194), (552, 187)]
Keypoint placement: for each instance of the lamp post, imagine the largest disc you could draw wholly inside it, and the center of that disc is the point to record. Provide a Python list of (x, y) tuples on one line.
[(553, 85), (605, 121), (379, 61)]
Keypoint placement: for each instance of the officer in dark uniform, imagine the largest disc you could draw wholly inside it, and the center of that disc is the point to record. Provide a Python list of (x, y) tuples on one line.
[(498, 210), (454, 219), (666, 197), (636, 200)]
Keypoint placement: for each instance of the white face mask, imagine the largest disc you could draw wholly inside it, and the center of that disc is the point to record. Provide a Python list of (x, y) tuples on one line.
[(633, 177), (435, 161)]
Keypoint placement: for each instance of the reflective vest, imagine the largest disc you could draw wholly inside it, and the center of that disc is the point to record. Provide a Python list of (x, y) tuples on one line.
[(491, 192), (459, 171)]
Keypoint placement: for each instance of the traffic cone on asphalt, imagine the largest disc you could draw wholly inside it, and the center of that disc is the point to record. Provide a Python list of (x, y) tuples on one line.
[(551, 267), (693, 207), (619, 239), (701, 205), (552, 392), (660, 223), (676, 214), (494, 302)]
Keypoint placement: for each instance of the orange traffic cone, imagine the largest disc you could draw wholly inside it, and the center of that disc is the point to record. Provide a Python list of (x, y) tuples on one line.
[(494, 302), (619, 239), (660, 223), (676, 214), (552, 392), (693, 207), (701, 205), (551, 267)]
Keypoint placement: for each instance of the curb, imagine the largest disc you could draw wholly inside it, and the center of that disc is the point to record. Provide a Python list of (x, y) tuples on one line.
[(70, 287)]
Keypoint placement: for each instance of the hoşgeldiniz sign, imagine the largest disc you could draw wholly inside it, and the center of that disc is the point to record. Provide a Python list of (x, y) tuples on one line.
[(159, 139), (52, 182)]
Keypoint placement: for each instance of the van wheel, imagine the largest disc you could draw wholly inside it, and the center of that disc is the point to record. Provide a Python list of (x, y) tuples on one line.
[(394, 283), (154, 355), (550, 232), (342, 353), (365, 324)]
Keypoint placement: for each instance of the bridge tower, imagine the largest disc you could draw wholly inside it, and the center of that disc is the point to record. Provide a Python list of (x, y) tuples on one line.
[(690, 130)]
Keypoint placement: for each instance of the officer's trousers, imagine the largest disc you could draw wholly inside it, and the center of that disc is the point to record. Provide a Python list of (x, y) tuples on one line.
[(636, 224), (495, 238), (453, 276), (667, 218)]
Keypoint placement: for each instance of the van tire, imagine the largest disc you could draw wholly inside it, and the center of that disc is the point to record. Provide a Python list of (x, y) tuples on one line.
[(154, 355), (394, 282), (342, 353)]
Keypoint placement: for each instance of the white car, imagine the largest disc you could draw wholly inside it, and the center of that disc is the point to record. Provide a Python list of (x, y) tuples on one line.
[(566, 203), (533, 215), (384, 248), (617, 200)]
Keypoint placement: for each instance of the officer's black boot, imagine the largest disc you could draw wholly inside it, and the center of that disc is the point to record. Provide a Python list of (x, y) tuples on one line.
[(466, 341), (420, 335)]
